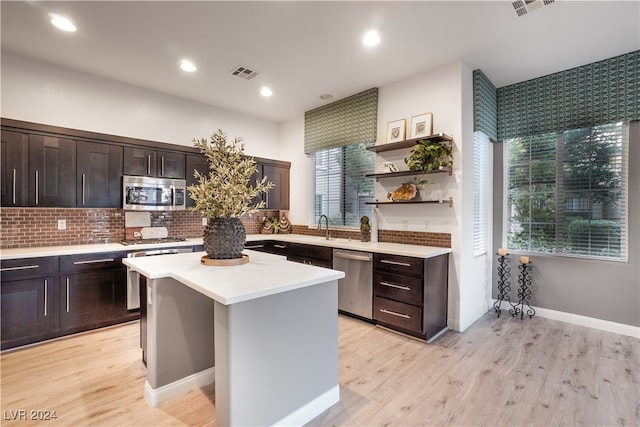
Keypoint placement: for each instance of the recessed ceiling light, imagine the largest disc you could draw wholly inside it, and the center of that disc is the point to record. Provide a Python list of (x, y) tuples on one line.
[(187, 66), (62, 23), (266, 91), (371, 38), (326, 96)]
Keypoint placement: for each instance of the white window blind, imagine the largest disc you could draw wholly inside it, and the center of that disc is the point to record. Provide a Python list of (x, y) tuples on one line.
[(566, 192), (480, 146), (341, 189)]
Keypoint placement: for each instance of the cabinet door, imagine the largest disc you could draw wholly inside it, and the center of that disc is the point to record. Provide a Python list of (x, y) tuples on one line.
[(139, 161), (52, 171), (14, 169), (28, 310), (257, 176), (278, 196), (99, 176), (195, 162), (91, 298), (171, 165)]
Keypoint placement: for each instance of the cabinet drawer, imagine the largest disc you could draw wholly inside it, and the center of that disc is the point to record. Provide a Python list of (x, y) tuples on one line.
[(87, 262), (400, 288), (323, 253), (24, 268), (399, 264), (280, 248), (401, 315)]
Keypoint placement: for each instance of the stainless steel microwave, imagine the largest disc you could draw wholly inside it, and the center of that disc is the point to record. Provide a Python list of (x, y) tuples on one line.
[(141, 193)]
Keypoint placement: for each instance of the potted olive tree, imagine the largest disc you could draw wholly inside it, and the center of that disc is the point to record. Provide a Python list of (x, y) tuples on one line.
[(225, 194)]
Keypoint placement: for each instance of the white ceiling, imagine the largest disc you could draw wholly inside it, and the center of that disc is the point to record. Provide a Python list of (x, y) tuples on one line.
[(303, 49)]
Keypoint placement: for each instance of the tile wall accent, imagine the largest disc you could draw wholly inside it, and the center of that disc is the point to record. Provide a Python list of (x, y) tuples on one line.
[(32, 227), (442, 240)]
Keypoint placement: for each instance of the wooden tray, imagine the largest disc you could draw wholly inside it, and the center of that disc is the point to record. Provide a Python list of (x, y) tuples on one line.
[(204, 260)]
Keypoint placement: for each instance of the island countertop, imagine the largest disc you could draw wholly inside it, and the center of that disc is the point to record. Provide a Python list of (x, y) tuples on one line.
[(264, 275)]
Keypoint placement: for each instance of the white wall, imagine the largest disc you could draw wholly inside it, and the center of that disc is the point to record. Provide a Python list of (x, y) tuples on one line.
[(44, 93), (447, 92)]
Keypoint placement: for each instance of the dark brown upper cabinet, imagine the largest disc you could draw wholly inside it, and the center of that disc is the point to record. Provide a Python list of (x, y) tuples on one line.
[(195, 162), (38, 170), (99, 175), (148, 162)]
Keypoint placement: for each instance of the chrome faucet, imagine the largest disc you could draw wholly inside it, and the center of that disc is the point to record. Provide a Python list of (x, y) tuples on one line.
[(326, 219)]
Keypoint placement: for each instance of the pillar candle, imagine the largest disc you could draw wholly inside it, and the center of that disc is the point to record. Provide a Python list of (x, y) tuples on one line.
[(524, 259), (502, 251)]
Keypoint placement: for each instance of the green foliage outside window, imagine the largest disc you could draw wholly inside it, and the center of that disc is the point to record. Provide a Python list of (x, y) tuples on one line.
[(564, 192)]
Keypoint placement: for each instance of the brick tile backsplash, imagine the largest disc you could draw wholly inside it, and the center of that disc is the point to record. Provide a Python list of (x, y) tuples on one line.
[(32, 227)]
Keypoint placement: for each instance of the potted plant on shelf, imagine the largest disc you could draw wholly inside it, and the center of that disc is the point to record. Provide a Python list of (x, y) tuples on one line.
[(225, 194), (428, 156), (365, 229)]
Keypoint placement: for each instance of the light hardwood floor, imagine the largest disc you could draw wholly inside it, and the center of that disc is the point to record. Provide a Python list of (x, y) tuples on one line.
[(501, 371)]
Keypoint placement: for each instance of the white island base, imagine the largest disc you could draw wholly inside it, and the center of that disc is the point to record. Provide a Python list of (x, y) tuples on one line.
[(270, 326)]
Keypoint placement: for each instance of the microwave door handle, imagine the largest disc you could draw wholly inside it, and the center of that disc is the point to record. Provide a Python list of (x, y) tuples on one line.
[(173, 196)]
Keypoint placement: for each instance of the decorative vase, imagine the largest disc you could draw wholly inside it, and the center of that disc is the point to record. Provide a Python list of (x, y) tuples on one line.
[(366, 236), (224, 238)]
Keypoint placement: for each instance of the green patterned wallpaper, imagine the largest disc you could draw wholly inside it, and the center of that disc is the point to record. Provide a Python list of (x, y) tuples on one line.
[(598, 93), (485, 105), (347, 121)]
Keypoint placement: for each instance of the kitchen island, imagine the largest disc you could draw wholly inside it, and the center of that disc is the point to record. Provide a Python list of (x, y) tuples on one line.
[(265, 331)]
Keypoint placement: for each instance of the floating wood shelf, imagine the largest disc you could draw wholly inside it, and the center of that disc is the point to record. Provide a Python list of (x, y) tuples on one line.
[(414, 202), (439, 137), (404, 173)]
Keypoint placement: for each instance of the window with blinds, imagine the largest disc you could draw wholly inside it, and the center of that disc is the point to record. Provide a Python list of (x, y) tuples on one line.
[(480, 146), (341, 188), (566, 192)]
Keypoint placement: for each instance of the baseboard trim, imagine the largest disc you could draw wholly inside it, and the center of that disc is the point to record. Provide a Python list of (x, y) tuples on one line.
[(590, 322), (156, 396), (312, 409)]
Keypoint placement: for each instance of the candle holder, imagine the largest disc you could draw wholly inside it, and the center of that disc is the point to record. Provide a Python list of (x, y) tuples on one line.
[(504, 286), (524, 292)]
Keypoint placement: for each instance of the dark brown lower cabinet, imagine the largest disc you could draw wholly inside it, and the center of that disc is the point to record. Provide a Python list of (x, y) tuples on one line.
[(29, 312), (92, 298), (48, 297), (410, 294)]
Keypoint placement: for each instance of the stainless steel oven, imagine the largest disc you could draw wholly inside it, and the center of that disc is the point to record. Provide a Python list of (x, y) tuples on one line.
[(142, 193)]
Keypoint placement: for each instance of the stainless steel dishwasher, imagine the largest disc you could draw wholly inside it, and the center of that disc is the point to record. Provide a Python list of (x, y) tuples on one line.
[(355, 291)]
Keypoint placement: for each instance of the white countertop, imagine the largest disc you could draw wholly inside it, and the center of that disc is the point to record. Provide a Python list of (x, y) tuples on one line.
[(264, 274), (356, 245)]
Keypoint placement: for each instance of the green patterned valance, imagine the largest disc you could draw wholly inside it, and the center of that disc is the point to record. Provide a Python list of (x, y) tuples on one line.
[(347, 121), (602, 92), (485, 105)]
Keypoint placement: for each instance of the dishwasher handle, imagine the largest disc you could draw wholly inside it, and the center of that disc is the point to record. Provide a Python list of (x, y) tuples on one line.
[(354, 256)]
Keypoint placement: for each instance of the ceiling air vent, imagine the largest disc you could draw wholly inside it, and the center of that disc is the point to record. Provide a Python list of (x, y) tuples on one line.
[(524, 7), (244, 72)]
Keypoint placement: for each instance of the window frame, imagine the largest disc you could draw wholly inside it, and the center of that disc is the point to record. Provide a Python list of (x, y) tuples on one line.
[(560, 237)]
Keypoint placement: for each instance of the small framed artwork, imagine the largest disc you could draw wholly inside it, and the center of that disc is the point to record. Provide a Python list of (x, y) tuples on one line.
[(421, 125), (396, 130)]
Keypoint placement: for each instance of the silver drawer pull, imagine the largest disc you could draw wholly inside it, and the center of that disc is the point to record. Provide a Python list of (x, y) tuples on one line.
[(46, 282), (37, 189), (393, 285), (93, 261), (22, 267), (254, 247), (280, 246), (14, 186), (386, 261), (67, 283), (393, 313)]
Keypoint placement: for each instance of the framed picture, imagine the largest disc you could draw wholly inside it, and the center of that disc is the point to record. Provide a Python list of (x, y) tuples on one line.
[(421, 125), (396, 130)]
